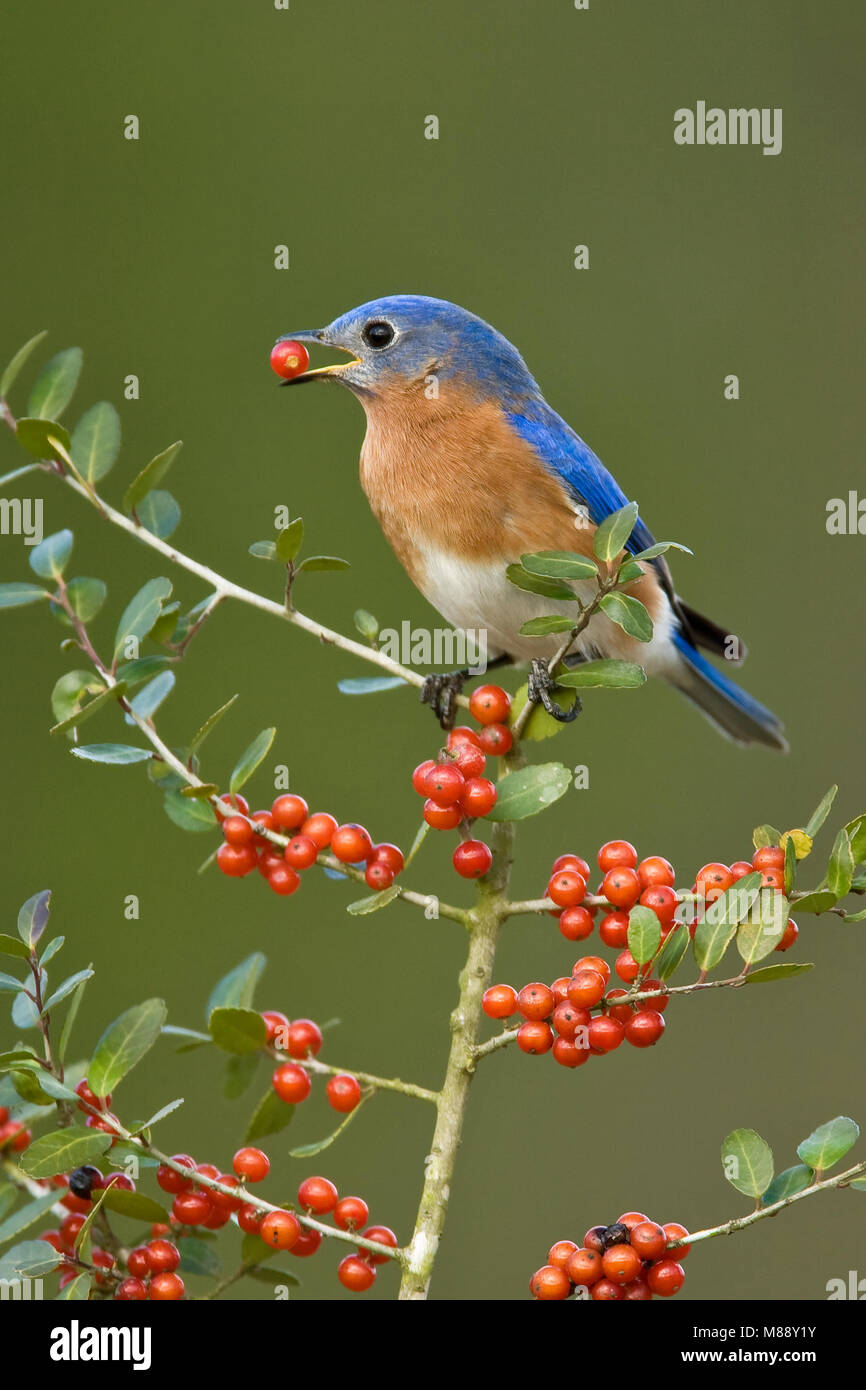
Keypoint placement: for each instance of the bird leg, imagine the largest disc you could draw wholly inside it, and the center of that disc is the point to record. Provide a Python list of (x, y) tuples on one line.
[(440, 692), (539, 688)]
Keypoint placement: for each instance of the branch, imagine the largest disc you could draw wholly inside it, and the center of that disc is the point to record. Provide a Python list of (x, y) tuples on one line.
[(379, 1083)]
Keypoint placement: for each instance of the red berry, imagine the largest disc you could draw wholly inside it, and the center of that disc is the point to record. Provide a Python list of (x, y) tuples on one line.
[(605, 1033), (648, 1240), (496, 740), (291, 1083), (712, 881), (478, 797), (462, 737), (550, 1283), (621, 886), (560, 1253), (665, 1278), (472, 859), (351, 843), (222, 1204), (769, 857), (621, 1012), (499, 1001), (277, 1026), (54, 1239), (631, 1219), (569, 1053), (559, 989), (69, 1229), (165, 1287), (264, 819), (617, 854), (770, 878), (613, 929), (592, 963), (4, 1114), (655, 871), (571, 861), (420, 774), (251, 1164), (280, 1229), (389, 855), (318, 1195), (383, 1235), (239, 803), (289, 358), (350, 1213), (468, 757), (656, 1005), (535, 1001), (792, 931), (305, 1038), (674, 1231), (300, 852), (236, 861), (320, 826), (163, 1256), (534, 1037), (344, 1093), (576, 923), (191, 1208), (606, 1291), (307, 1243), (567, 888), (638, 1291), (567, 1019), (489, 704), (355, 1273), (289, 812), (87, 1097), (586, 989), (585, 1267), (621, 1264), (131, 1289), (169, 1180), (444, 784), (593, 1240), (662, 899), (283, 880), (238, 831), (250, 1219), (442, 817), (138, 1262), (740, 869), (626, 967), (645, 1028)]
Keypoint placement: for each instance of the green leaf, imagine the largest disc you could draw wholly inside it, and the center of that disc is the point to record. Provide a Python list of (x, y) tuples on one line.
[(52, 948), (134, 1204), (66, 988), (199, 1257), (209, 724), (856, 832), (124, 1042), (239, 1073), (10, 947), (323, 562), (318, 1146), (270, 1116), (610, 537), (747, 1160), (119, 753), (57, 1090), (629, 614), (365, 905), (159, 512), (236, 989), (144, 668), (672, 952), (62, 1150), (764, 835), (188, 814), (78, 1290), (264, 1274), (368, 685), (762, 931), (85, 597), (150, 476), (777, 972), (17, 595), (149, 699), (529, 791), (290, 540), (535, 584), (559, 564), (628, 571), (83, 712), (142, 612), (366, 624), (37, 437), (855, 916), (250, 759), (540, 725), (26, 1083), (263, 550), (48, 559), (828, 1143), (66, 697), (644, 933), (96, 441), (33, 917), (790, 865), (9, 984), (26, 1216), (820, 813), (714, 934), (840, 870), (238, 1030), (24, 1012), (71, 1016), (30, 1260), (787, 1183), (612, 675), (542, 627), (815, 903), (660, 547), (11, 372), (55, 385)]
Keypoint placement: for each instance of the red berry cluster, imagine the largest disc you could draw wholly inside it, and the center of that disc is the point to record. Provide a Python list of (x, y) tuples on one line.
[(627, 1262), (769, 861), (152, 1273), (244, 848), (455, 791), (14, 1136), (560, 1017), (291, 1081)]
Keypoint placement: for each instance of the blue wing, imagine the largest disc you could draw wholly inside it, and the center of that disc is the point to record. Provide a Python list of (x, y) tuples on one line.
[(582, 473)]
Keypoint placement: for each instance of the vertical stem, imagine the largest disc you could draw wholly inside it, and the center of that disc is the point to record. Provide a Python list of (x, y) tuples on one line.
[(486, 917)]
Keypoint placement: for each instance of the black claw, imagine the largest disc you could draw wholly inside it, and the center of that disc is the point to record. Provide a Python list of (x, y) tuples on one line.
[(540, 684), (440, 693)]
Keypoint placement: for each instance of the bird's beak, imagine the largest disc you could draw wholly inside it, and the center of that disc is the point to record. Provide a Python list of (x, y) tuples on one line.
[(317, 335)]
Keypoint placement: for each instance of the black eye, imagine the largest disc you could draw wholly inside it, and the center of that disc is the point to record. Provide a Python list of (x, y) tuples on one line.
[(378, 334)]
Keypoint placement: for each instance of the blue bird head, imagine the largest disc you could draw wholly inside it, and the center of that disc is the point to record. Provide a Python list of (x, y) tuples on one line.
[(401, 341)]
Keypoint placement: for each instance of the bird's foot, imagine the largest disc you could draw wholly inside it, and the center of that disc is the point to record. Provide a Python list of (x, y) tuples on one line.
[(440, 693), (540, 685)]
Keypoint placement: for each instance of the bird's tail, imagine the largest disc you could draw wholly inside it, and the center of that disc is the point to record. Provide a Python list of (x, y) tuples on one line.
[(731, 709)]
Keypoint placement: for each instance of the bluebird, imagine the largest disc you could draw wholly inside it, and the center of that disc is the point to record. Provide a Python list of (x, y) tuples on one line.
[(466, 468)]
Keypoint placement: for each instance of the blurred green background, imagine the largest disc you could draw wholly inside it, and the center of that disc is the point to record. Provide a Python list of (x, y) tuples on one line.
[(305, 127)]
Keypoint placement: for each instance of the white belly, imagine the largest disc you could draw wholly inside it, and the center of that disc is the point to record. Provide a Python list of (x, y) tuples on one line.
[(477, 595)]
